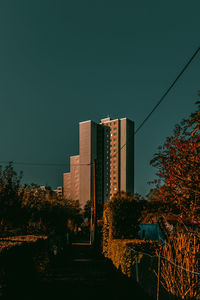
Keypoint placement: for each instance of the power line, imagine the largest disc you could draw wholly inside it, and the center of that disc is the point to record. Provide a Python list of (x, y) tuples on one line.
[(139, 127), (31, 164), (56, 164), (168, 90), (40, 164)]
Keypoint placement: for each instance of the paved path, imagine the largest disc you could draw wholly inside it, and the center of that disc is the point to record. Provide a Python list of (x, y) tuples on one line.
[(82, 274)]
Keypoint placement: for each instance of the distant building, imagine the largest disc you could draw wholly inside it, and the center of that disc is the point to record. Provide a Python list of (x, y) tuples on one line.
[(42, 187), (59, 191), (111, 145), (71, 181)]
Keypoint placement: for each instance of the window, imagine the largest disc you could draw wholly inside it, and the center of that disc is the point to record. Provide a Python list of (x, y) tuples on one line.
[(115, 145), (114, 139), (114, 178), (115, 150), (115, 128), (114, 172), (115, 189), (115, 183), (115, 133)]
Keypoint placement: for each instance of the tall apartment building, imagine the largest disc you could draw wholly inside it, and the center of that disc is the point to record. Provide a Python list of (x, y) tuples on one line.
[(110, 145)]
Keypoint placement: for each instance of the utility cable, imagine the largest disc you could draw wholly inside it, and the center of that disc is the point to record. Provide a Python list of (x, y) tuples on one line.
[(139, 127), (40, 164), (168, 90)]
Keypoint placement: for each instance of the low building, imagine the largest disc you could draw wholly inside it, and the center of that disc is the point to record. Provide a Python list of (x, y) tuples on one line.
[(59, 191)]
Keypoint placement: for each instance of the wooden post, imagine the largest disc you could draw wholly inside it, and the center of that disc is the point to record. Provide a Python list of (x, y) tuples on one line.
[(131, 269), (136, 268), (94, 203), (91, 222), (158, 277)]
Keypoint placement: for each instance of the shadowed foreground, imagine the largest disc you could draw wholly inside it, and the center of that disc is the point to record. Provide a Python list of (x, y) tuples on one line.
[(80, 273)]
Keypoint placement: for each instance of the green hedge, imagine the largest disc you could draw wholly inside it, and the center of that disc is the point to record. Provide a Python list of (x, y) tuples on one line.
[(119, 250), (122, 256), (22, 260)]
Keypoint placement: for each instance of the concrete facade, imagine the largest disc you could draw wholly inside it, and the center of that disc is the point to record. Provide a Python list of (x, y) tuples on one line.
[(67, 185), (75, 177), (71, 181), (111, 145), (121, 149), (127, 155)]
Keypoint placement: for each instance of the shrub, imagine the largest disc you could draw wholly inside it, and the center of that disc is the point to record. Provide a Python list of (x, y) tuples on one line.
[(119, 250), (124, 253), (123, 213), (181, 249)]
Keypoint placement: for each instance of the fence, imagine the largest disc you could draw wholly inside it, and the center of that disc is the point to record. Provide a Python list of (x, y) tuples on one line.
[(157, 274)]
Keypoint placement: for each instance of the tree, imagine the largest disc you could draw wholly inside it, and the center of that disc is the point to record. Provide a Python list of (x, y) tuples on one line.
[(47, 206), (10, 195), (20, 204), (125, 212), (87, 210), (178, 165)]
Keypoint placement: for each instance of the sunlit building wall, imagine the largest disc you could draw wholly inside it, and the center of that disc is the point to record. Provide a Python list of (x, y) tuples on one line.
[(111, 145), (75, 177), (121, 158), (67, 185), (91, 142)]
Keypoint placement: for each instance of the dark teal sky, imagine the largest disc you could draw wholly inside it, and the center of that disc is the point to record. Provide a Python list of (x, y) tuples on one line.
[(62, 62)]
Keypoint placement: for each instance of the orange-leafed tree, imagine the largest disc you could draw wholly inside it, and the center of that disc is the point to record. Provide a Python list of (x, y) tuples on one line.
[(178, 168)]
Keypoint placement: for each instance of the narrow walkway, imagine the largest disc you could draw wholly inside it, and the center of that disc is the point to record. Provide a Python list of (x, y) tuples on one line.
[(80, 274), (87, 275)]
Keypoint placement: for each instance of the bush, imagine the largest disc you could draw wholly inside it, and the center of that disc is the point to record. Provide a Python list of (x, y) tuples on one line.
[(121, 218), (123, 213), (124, 253), (182, 249)]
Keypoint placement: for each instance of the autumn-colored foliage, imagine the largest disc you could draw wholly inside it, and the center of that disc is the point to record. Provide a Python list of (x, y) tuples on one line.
[(182, 253), (178, 165)]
